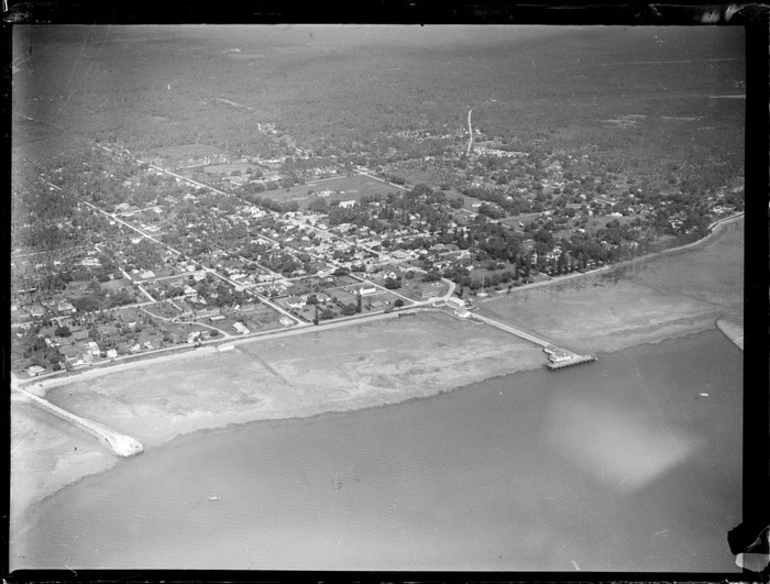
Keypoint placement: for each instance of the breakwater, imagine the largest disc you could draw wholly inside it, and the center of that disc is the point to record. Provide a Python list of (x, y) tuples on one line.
[(120, 444)]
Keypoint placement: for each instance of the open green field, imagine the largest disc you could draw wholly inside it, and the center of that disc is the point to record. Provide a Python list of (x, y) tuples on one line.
[(346, 188), (523, 218), (241, 167)]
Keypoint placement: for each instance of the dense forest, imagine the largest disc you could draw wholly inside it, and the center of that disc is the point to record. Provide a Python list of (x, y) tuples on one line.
[(554, 89)]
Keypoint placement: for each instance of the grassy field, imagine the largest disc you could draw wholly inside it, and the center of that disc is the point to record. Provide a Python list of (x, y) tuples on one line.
[(346, 189), (241, 167)]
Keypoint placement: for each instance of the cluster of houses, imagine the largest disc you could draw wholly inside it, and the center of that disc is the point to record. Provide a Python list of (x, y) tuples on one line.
[(497, 153), (62, 308), (87, 353), (322, 298), (90, 262), (460, 307), (241, 328)]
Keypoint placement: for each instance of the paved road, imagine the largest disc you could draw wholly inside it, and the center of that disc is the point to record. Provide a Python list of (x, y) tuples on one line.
[(145, 292), (364, 173), (207, 348), (470, 131)]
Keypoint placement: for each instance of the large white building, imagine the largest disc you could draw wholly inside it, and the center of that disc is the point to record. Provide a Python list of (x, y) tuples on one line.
[(367, 290), (241, 328)]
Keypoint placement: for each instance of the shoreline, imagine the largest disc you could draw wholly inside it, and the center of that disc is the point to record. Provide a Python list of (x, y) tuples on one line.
[(327, 370), (229, 453), (204, 414), (97, 465), (36, 387), (100, 463)]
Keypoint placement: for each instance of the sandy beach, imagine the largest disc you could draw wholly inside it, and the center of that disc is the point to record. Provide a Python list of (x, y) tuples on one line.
[(371, 364)]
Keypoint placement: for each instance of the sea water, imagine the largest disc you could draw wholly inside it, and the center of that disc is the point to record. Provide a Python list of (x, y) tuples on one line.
[(618, 465)]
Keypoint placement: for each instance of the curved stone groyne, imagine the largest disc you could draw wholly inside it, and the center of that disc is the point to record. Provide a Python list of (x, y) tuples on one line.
[(120, 444)]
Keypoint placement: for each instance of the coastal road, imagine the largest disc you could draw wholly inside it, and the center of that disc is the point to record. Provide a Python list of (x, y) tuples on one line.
[(145, 292), (551, 282), (209, 346), (43, 383)]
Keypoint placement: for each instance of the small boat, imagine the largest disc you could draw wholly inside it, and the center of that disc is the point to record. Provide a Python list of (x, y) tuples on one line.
[(215, 498), (704, 395)]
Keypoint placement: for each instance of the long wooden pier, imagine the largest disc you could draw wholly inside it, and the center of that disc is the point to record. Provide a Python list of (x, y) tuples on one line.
[(509, 329), (558, 358)]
